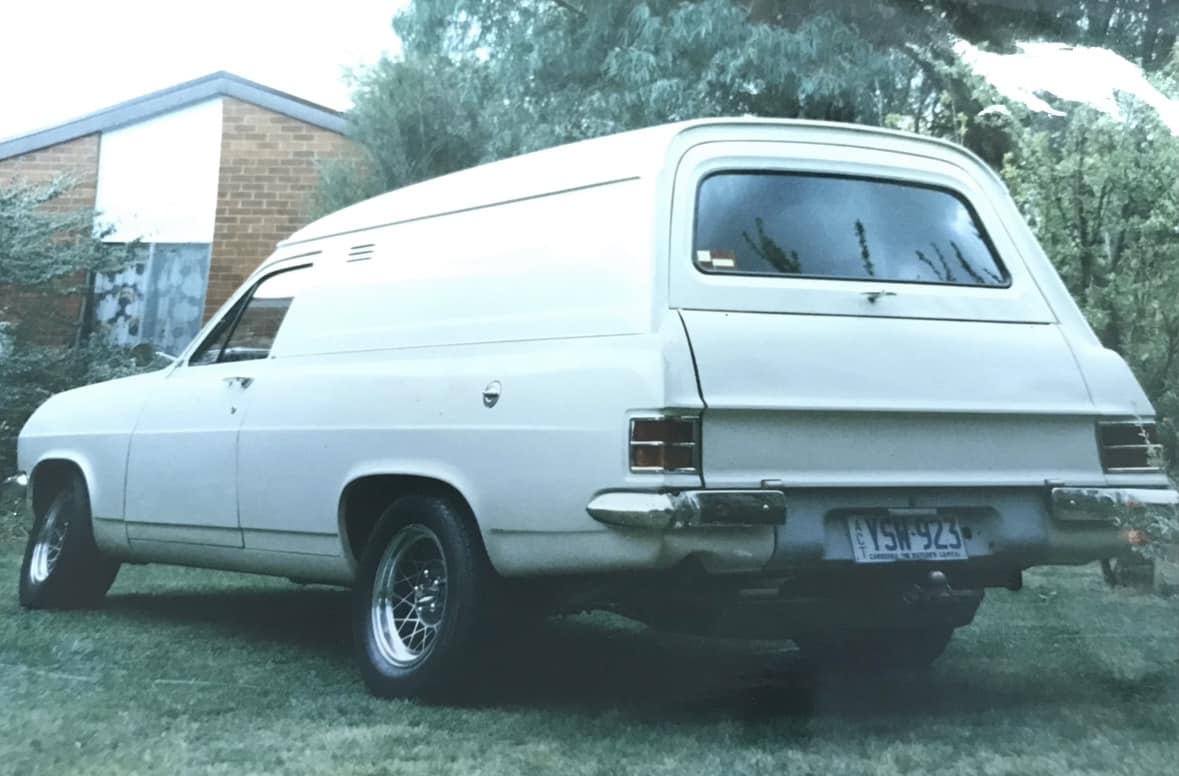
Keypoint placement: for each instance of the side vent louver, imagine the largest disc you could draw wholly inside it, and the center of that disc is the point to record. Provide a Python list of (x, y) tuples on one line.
[(361, 252)]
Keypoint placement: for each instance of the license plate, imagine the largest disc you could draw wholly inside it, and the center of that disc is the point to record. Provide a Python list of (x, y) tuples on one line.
[(890, 539)]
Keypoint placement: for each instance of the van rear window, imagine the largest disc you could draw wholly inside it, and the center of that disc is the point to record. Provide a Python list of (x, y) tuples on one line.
[(764, 223)]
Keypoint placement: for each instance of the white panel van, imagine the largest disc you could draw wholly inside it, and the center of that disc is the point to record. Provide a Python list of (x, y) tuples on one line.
[(760, 378)]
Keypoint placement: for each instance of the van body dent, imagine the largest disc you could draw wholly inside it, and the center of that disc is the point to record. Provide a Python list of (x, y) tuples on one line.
[(655, 372)]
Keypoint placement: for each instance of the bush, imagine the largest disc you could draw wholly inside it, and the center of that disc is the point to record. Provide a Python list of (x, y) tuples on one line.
[(31, 374), (1103, 197), (48, 253)]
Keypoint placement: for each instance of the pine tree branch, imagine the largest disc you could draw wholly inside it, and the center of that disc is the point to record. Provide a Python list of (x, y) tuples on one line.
[(570, 8)]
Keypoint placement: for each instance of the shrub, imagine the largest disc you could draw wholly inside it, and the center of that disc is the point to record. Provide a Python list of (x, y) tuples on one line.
[(48, 254)]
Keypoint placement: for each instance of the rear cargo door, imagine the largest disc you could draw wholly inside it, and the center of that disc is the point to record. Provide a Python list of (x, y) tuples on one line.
[(862, 317)]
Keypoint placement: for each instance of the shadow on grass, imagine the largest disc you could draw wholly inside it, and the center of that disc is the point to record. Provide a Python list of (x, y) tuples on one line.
[(595, 664), (316, 620)]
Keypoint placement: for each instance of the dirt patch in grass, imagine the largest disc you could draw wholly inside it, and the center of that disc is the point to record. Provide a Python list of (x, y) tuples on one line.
[(187, 671)]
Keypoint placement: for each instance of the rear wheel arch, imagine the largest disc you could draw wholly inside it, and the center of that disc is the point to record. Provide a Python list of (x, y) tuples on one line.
[(365, 499), (424, 600)]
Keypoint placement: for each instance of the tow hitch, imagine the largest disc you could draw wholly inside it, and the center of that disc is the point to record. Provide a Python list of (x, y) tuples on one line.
[(935, 589)]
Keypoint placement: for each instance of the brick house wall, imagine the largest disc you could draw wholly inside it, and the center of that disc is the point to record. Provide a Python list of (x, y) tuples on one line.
[(268, 147), (269, 171), (77, 159)]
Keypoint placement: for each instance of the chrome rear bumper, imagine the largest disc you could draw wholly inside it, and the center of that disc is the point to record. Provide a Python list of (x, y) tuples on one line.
[(689, 508), (1112, 505)]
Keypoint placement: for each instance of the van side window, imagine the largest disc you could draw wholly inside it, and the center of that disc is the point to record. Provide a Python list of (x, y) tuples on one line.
[(828, 226), (210, 349), (248, 330)]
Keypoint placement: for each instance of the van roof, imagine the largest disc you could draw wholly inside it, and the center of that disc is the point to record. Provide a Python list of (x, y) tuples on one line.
[(622, 156)]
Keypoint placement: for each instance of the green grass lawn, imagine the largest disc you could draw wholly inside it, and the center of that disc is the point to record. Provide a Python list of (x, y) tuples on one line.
[(193, 671)]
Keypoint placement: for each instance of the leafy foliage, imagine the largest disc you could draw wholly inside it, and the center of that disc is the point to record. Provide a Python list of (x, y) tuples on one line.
[(416, 120), (42, 245), (1103, 197), (48, 251), (485, 79)]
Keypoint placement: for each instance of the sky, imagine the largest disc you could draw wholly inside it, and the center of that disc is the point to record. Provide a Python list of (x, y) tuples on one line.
[(66, 58), (1076, 73)]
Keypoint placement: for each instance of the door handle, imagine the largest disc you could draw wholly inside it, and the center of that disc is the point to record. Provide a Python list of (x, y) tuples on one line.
[(240, 382)]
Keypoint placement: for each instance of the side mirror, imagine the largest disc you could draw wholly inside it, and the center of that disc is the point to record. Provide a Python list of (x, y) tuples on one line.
[(146, 355)]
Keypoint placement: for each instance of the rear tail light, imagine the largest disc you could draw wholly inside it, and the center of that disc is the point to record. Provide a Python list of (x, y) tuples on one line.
[(665, 444), (1129, 446)]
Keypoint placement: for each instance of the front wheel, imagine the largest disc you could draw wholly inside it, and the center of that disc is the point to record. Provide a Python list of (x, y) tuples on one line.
[(421, 600), (62, 566)]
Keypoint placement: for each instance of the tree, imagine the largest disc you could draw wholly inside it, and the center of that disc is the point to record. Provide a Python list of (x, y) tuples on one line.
[(414, 120), (44, 244), (549, 71), (48, 253), (578, 70), (484, 79), (1103, 198), (1102, 194)]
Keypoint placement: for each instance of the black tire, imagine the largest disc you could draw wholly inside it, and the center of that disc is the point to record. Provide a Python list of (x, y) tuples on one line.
[(62, 566), (457, 609), (876, 649)]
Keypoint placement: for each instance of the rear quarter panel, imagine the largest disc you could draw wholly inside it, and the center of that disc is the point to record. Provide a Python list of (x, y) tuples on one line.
[(381, 369)]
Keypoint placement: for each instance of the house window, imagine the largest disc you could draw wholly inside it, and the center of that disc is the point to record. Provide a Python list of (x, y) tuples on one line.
[(159, 299)]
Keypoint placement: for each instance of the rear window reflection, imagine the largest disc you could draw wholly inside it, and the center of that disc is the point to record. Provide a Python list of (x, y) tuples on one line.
[(837, 227)]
